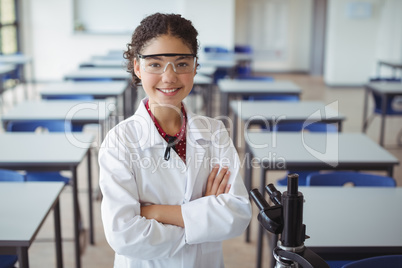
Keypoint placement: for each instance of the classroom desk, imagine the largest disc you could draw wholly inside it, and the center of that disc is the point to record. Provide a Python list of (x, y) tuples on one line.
[(391, 64), (4, 70), (386, 91), (108, 56), (17, 59), (224, 59), (239, 88), (207, 70), (218, 63), (271, 112), (312, 151), (206, 85), (83, 112), (52, 152), (119, 74), (25, 206), (350, 223), (104, 63), (99, 90), (20, 60)]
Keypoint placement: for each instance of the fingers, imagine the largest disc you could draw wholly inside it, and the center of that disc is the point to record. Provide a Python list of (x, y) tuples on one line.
[(227, 188), (223, 184), (218, 181), (211, 179)]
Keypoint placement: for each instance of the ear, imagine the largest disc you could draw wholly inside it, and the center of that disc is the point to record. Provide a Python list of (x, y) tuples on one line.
[(137, 68)]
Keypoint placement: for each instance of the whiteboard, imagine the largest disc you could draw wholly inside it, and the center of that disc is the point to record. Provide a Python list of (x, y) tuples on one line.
[(214, 20), (118, 16)]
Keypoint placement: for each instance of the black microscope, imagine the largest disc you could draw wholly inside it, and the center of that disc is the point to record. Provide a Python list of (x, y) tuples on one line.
[(285, 218)]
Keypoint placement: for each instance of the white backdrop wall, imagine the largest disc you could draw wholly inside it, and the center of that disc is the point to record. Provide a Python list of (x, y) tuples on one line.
[(279, 32), (353, 46), (357, 39), (49, 36), (389, 41)]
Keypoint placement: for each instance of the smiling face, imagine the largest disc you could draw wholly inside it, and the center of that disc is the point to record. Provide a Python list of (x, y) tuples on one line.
[(169, 87)]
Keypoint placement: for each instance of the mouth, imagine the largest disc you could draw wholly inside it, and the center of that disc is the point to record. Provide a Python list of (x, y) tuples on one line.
[(168, 90)]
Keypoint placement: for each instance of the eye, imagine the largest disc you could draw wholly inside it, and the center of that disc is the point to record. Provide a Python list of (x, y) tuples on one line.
[(182, 64), (154, 65)]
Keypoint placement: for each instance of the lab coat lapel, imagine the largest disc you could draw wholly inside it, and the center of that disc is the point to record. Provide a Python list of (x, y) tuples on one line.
[(146, 128), (198, 140)]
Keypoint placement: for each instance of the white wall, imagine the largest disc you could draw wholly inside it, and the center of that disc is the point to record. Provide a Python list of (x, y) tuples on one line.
[(389, 41), (213, 19), (278, 30), (49, 38), (355, 44)]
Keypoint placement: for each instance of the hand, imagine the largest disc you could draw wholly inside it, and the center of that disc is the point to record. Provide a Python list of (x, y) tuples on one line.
[(218, 181)]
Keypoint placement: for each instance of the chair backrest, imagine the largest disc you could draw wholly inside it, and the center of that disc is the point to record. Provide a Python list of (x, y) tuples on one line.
[(11, 175), (389, 261), (390, 101), (273, 98), (8, 261), (341, 178), (243, 49), (92, 79), (256, 78), (31, 126), (69, 97), (215, 49), (314, 127)]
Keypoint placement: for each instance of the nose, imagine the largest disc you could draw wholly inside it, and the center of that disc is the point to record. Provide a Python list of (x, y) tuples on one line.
[(169, 73)]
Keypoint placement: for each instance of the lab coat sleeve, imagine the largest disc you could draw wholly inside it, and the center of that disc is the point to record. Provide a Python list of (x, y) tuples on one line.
[(211, 218), (127, 232)]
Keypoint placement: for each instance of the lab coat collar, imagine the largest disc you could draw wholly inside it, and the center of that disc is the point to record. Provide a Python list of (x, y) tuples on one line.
[(198, 128)]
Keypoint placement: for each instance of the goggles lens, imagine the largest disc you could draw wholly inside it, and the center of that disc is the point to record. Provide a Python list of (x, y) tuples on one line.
[(158, 63)]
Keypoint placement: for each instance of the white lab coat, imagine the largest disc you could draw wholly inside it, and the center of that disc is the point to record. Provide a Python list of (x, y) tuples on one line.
[(133, 172)]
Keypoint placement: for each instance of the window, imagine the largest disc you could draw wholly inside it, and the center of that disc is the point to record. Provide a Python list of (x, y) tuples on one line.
[(8, 27)]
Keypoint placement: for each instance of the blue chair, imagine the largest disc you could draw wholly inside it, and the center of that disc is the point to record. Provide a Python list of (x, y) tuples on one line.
[(243, 68), (218, 53), (298, 126), (68, 97), (31, 126), (76, 127), (389, 261), (314, 127), (215, 49), (8, 261), (273, 98), (51, 126), (256, 78), (11, 175), (243, 49), (340, 178), (378, 101), (92, 79)]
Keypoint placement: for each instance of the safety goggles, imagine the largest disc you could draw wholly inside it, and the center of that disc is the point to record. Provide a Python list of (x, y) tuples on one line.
[(158, 63)]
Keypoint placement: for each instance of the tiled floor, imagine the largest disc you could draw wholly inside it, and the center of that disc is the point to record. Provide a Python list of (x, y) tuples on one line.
[(237, 253)]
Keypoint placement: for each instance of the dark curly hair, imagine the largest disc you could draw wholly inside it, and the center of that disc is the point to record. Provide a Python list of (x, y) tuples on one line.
[(154, 26)]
